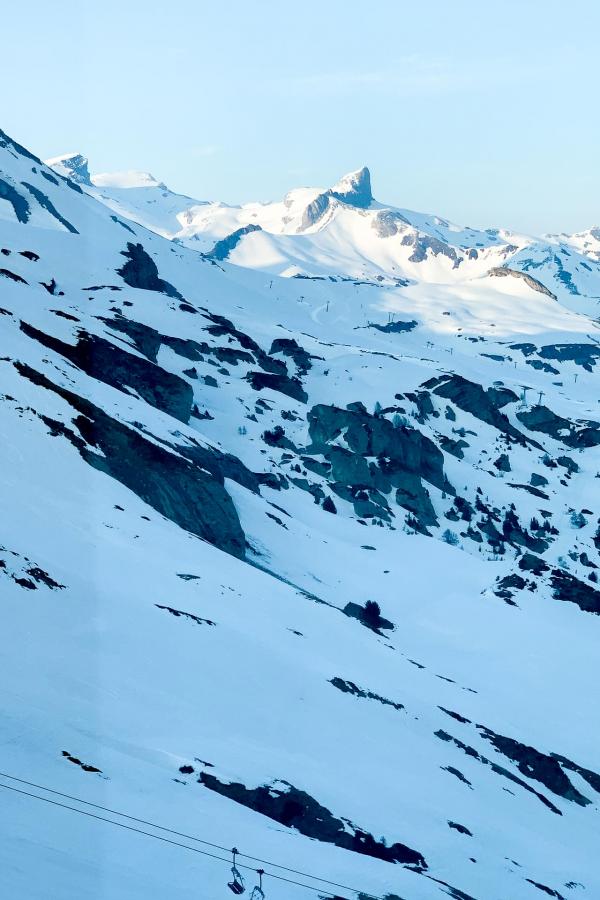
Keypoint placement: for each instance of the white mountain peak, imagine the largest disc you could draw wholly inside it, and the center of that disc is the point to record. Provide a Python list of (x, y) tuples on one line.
[(130, 178), (354, 188)]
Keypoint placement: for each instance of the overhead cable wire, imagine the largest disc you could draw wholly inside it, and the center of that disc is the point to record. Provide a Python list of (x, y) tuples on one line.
[(176, 833)]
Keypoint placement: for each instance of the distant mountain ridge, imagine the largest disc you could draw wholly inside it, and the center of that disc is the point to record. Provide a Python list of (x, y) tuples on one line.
[(348, 233)]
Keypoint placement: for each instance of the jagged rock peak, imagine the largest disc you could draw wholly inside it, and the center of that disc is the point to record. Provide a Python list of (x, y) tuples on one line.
[(71, 165), (354, 188)]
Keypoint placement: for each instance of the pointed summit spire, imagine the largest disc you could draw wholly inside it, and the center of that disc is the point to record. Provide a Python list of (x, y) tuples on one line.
[(354, 189)]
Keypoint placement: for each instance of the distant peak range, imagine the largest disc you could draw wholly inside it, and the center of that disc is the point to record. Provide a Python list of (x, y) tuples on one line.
[(76, 167), (343, 232)]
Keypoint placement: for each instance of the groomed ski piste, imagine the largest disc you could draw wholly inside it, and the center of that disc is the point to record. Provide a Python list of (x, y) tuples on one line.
[(219, 443)]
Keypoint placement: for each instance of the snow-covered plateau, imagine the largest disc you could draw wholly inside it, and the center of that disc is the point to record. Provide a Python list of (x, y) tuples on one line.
[(300, 539)]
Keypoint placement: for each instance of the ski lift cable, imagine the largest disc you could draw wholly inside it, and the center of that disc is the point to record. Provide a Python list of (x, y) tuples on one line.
[(189, 837), (149, 834), (177, 843), (116, 812), (182, 834)]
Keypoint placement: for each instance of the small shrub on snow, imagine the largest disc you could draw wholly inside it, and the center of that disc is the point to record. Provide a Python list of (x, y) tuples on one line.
[(372, 612), (450, 537)]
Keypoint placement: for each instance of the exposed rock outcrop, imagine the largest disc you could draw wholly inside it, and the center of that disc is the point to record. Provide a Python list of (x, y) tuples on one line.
[(572, 434), (185, 493), (530, 281), (315, 210), (394, 327), (570, 589), (377, 457), (47, 204), (499, 770), (224, 247), (483, 404), (111, 364), (354, 189), (294, 808), (421, 243), (73, 166), (539, 766), (140, 271), (389, 222), (291, 387), (20, 205)]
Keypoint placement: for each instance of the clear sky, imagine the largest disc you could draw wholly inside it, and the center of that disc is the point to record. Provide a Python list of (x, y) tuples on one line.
[(484, 112)]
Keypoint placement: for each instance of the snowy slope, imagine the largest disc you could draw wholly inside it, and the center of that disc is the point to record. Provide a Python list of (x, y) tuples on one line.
[(208, 469), (133, 194)]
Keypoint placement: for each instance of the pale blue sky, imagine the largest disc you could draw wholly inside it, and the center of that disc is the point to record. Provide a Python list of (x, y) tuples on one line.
[(485, 112)]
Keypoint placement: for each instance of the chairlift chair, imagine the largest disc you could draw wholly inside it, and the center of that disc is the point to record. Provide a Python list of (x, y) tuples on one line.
[(257, 891), (236, 885)]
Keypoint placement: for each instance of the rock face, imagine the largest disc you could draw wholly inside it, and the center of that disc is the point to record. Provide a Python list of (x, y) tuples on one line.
[(223, 248), (377, 458), (348, 687), (570, 589), (292, 349), (502, 463), (292, 387), (421, 243), (395, 327), (315, 210), (389, 222), (354, 189), (45, 202), (73, 166), (149, 341), (584, 355), (6, 142), (18, 202), (176, 488), (498, 770), (413, 496), (536, 765), (472, 398), (533, 283), (111, 364), (294, 808), (6, 273), (102, 360), (576, 435), (398, 449), (140, 271)]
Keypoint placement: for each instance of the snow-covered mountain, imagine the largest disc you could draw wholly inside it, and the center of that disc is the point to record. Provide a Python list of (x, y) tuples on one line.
[(343, 232), (305, 565)]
